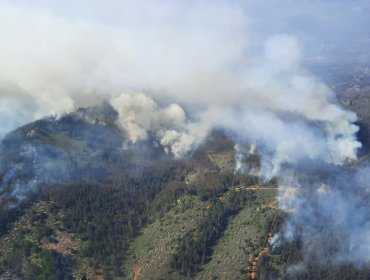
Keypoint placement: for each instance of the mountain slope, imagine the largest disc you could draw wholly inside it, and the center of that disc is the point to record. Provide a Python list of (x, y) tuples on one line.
[(79, 202)]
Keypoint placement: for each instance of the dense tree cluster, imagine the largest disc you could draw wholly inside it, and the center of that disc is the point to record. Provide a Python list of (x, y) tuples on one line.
[(196, 247)]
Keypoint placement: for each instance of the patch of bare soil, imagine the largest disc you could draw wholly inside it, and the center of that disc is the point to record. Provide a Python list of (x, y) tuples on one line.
[(65, 244)]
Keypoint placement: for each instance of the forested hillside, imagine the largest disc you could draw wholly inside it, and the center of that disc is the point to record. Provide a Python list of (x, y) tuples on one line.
[(89, 201), (78, 202)]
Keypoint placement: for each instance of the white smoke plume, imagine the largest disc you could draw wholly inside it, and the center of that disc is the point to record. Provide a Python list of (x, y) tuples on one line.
[(239, 157), (243, 154), (330, 215), (181, 56), (140, 115)]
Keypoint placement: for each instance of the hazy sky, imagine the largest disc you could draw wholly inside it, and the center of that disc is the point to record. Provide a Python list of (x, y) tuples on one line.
[(325, 28)]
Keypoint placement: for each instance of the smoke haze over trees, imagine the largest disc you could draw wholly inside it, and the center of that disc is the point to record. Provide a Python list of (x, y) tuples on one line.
[(106, 80)]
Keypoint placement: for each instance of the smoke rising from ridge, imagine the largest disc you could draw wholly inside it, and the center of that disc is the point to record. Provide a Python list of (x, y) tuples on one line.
[(329, 213), (140, 115), (199, 60), (176, 72)]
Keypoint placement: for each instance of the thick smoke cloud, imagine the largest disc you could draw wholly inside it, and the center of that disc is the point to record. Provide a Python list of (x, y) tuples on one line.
[(200, 62), (141, 115), (184, 57), (177, 69)]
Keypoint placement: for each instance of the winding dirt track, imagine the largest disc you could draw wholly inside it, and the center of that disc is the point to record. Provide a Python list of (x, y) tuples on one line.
[(253, 188), (255, 261), (273, 205), (137, 273)]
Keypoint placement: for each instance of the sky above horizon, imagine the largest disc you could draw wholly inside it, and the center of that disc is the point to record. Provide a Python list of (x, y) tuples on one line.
[(327, 30)]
